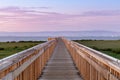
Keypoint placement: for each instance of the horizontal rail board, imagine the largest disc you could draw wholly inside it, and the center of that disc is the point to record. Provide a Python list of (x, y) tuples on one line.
[(16, 67), (92, 64)]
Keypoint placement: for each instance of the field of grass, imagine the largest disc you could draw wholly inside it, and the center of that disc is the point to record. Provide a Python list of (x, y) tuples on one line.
[(9, 48), (109, 47)]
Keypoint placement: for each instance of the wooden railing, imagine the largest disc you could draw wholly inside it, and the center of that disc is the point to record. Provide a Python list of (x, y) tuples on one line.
[(93, 65), (28, 64)]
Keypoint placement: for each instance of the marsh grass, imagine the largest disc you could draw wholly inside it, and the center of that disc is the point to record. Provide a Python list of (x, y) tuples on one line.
[(109, 47), (9, 48)]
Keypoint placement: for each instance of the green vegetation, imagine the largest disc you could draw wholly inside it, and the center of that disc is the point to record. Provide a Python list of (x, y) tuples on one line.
[(9, 48), (109, 47)]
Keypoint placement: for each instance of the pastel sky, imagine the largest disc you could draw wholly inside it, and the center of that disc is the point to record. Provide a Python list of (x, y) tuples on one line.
[(59, 15)]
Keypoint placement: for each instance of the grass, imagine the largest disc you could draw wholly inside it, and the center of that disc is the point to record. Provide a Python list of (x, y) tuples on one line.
[(9, 48), (109, 47)]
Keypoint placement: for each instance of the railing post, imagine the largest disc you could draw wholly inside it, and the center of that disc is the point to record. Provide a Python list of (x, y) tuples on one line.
[(92, 64), (27, 65)]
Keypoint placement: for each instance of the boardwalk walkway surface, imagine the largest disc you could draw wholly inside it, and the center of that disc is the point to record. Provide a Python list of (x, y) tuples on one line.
[(60, 66)]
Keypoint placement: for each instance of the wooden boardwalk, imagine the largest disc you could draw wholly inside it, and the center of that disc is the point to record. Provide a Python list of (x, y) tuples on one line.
[(60, 66), (52, 61)]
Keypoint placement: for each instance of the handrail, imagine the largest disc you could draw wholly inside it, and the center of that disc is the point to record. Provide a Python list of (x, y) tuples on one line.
[(92, 64), (12, 67), (114, 60)]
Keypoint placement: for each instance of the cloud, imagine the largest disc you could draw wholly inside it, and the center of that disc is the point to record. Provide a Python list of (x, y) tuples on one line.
[(102, 13), (18, 13), (23, 10), (33, 16), (25, 16), (35, 12), (37, 7)]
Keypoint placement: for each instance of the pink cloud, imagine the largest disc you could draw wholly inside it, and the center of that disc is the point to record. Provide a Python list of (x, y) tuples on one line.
[(20, 19), (102, 13)]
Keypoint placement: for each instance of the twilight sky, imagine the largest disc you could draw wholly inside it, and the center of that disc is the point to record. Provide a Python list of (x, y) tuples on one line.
[(59, 15)]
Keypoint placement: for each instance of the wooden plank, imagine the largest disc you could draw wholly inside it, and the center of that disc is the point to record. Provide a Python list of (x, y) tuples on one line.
[(60, 66), (23, 63), (101, 67)]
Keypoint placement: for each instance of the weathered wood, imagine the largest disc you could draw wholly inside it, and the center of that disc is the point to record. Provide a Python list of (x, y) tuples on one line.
[(28, 64), (93, 65), (31, 63), (60, 66)]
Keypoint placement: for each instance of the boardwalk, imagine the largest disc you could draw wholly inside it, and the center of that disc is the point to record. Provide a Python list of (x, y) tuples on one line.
[(59, 59), (60, 65)]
